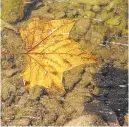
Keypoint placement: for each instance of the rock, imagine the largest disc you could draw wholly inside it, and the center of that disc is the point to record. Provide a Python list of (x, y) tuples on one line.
[(8, 114), (72, 77), (80, 28), (96, 91), (87, 120), (126, 119), (12, 10), (8, 26), (50, 104), (20, 122), (10, 72), (90, 14), (23, 100), (82, 90), (71, 14), (12, 42), (88, 7), (81, 12), (11, 60), (36, 92), (42, 13), (60, 15), (96, 8), (59, 5), (102, 110), (77, 98), (7, 89), (22, 90), (76, 101), (38, 4), (103, 15), (61, 120), (82, 25), (110, 6), (27, 108), (52, 108), (113, 21), (94, 2)]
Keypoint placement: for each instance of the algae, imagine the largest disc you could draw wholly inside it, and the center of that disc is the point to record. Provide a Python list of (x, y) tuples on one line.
[(90, 14), (38, 108), (87, 120), (12, 10)]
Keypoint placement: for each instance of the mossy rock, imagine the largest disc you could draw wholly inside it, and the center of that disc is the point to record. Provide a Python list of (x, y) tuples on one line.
[(90, 14), (104, 15), (113, 21), (36, 92), (7, 89), (87, 120), (20, 122), (126, 119), (12, 10), (94, 2), (96, 8), (88, 7), (80, 28), (59, 5)]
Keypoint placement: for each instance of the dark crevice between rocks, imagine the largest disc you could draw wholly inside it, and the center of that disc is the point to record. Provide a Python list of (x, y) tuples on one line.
[(113, 96), (29, 8)]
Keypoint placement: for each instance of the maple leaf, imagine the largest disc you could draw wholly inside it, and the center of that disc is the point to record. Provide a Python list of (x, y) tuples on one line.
[(50, 52)]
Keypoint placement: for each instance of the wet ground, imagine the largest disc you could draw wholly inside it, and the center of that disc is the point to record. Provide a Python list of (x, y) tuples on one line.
[(97, 94)]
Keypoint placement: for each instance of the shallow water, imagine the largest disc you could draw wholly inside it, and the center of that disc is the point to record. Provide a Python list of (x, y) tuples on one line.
[(99, 89)]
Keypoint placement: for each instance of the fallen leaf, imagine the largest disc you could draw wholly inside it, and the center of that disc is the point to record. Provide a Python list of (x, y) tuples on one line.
[(50, 52)]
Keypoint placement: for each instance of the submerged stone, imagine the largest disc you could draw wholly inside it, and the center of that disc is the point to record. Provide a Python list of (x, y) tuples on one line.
[(12, 10)]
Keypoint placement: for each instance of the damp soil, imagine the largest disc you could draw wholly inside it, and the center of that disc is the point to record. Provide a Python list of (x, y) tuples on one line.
[(98, 91)]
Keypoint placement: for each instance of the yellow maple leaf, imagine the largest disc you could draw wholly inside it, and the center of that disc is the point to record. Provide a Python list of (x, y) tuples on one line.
[(50, 52)]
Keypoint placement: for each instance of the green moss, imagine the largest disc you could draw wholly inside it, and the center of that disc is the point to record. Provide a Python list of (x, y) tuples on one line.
[(36, 92), (20, 122), (59, 5), (96, 8), (89, 2), (113, 21), (110, 6), (72, 14), (7, 89), (25, 112), (60, 14), (104, 15), (123, 26), (90, 14), (45, 9), (87, 120), (88, 7), (81, 12), (96, 91), (12, 10)]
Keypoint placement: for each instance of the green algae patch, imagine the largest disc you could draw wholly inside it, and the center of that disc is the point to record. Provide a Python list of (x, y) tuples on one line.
[(96, 8), (90, 14), (87, 120), (12, 10), (37, 108), (113, 21), (94, 2)]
